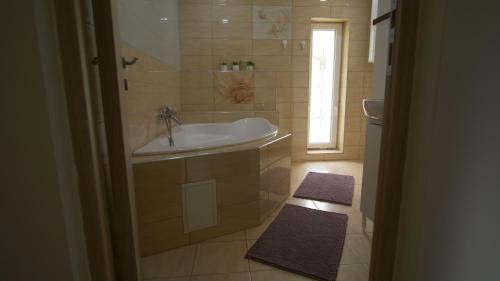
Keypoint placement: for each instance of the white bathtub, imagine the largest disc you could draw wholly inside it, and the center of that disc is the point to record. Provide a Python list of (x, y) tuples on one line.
[(192, 137)]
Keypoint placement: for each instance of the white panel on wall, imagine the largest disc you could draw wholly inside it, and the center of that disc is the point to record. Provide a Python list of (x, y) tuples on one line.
[(199, 204), (152, 27)]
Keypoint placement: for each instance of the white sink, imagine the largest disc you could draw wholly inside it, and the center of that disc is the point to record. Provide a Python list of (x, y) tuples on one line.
[(374, 111)]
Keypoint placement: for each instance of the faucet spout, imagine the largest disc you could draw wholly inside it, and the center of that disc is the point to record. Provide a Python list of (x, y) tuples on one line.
[(167, 114)]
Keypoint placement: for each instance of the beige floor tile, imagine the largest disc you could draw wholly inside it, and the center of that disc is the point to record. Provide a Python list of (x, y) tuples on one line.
[(221, 257), (243, 276), (355, 224), (186, 278), (301, 202), (174, 263), (348, 256), (360, 246), (331, 207), (276, 275), (353, 272), (237, 236), (255, 232)]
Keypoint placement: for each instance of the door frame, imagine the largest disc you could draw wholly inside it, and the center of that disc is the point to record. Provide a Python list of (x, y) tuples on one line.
[(108, 206), (110, 231), (392, 161)]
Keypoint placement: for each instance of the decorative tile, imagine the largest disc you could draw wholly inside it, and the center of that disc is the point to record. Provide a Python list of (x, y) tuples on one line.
[(272, 22), (235, 87)]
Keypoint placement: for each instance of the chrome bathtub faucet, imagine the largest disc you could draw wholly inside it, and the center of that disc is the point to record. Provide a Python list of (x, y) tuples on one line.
[(167, 114)]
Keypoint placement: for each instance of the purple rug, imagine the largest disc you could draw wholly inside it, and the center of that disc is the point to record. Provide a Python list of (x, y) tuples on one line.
[(302, 240), (327, 187)]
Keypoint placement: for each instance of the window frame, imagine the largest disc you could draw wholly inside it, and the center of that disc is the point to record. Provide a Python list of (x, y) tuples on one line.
[(339, 37)]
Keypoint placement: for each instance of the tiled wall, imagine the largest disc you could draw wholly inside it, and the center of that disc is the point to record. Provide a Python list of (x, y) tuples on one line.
[(206, 41), (149, 31), (151, 85), (359, 73), (281, 75)]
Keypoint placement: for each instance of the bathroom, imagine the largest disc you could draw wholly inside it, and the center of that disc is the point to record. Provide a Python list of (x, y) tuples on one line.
[(249, 140), (217, 109)]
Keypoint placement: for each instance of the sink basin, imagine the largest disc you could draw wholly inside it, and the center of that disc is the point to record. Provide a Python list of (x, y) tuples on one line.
[(374, 111)]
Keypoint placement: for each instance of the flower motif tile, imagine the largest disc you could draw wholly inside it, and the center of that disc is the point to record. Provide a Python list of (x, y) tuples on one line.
[(272, 22)]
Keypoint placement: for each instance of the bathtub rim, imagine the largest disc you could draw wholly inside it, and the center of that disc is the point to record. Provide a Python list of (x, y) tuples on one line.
[(271, 134), (255, 144)]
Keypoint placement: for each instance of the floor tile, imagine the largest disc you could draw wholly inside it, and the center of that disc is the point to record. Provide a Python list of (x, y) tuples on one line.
[(186, 278), (360, 246), (255, 232), (277, 275), (301, 202), (348, 256), (238, 236), (243, 276), (353, 272), (221, 257), (332, 207), (355, 224), (174, 263)]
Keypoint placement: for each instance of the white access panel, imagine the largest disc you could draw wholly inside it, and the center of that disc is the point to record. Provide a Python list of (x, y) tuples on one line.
[(199, 205)]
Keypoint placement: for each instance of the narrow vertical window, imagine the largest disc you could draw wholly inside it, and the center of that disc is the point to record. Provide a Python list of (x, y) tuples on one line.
[(324, 85)]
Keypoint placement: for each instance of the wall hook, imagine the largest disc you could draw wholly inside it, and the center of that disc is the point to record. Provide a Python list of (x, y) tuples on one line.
[(303, 44), (284, 43), (126, 62)]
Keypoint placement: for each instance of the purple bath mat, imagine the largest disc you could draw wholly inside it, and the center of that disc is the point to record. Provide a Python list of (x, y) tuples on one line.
[(327, 187), (302, 240)]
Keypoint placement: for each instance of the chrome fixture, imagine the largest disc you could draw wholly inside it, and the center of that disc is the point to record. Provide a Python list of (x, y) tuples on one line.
[(126, 62), (167, 114)]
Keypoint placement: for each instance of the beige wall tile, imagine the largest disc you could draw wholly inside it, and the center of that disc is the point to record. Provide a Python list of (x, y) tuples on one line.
[(301, 31), (270, 47), (272, 2), (285, 110), (265, 95), (195, 13), (232, 30), (301, 79), (300, 109), (265, 79), (324, 3), (196, 46), (232, 47), (304, 14), (161, 236), (190, 29), (203, 95), (196, 79), (196, 63), (232, 13), (273, 63), (299, 125), (300, 94), (284, 95), (231, 2), (284, 79), (300, 63), (355, 79), (198, 107)]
